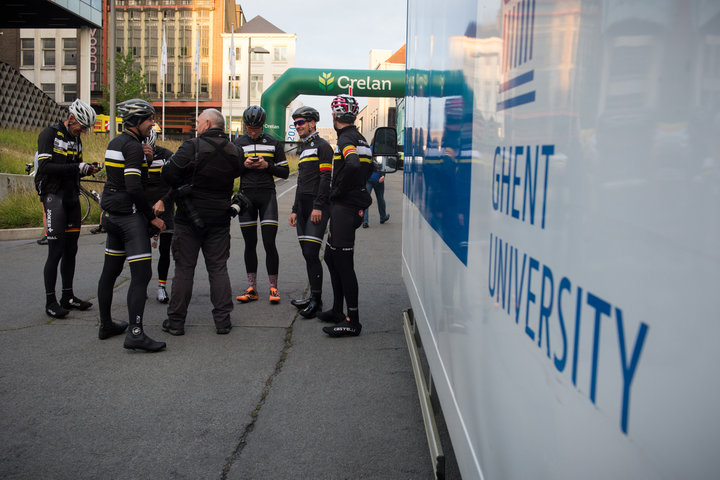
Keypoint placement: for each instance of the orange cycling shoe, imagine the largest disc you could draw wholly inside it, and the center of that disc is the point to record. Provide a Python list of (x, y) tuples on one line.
[(274, 295), (250, 295)]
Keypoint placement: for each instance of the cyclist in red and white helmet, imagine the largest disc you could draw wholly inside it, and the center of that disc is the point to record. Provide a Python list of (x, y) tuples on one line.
[(352, 166), (60, 166)]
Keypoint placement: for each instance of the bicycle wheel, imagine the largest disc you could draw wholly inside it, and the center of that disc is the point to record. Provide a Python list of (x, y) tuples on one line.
[(84, 206)]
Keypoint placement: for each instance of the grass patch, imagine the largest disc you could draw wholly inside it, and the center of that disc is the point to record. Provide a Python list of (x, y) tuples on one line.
[(21, 209)]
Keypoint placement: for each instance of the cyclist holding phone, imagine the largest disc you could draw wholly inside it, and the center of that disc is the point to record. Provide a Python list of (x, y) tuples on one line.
[(60, 166), (264, 159)]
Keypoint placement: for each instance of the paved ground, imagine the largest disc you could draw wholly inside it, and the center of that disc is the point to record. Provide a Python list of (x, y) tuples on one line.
[(275, 398)]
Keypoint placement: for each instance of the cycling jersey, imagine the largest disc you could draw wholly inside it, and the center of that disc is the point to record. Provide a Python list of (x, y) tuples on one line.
[(127, 176), (156, 188), (271, 150), (352, 166), (314, 171), (59, 154)]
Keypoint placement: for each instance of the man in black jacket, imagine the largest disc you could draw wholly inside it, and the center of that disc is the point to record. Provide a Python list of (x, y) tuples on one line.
[(202, 173)]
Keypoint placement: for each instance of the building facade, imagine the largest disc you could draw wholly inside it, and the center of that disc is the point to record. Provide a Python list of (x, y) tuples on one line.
[(270, 52), (381, 111)]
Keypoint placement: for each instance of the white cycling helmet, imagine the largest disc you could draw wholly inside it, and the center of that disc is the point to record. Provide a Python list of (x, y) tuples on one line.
[(344, 107), (83, 113), (151, 138), (135, 111)]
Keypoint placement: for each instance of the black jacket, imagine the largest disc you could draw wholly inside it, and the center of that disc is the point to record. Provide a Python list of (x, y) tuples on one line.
[(210, 163), (314, 171), (127, 177), (272, 151), (59, 154), (352, 166)]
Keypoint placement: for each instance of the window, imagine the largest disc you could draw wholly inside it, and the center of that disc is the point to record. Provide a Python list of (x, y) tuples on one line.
[(256, 57), (204, 41), (48, 45), (204, 78), (170, 32), (170, 78), (70, 51), (27, 46), (256, 87), (280, 54), (234, 87), (152, 82), (187, 78), (185, 40), (48, 89), (69, 92)]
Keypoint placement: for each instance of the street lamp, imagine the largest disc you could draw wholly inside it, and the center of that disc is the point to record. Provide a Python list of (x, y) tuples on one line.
[(252, 50)]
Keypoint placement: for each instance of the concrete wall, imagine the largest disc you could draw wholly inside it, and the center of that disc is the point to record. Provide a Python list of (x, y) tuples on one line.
[(11, 182)]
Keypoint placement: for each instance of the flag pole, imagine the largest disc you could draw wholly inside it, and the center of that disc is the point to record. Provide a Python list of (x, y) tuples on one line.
[(163, 71), (197, 74), (232, 75)]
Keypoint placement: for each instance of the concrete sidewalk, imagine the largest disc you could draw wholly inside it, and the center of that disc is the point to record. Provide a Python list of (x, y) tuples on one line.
[(276, 398)]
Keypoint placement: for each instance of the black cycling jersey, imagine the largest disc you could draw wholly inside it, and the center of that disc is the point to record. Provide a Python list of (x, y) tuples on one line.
[(314, 171), (271, 150), (127, 176), (352, 166), (59, 154), (156, 188)]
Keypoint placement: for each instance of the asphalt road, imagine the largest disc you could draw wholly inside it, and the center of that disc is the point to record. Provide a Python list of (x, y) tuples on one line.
[(276, 398)]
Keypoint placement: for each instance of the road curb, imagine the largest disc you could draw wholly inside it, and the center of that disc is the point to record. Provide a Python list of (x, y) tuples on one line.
[(33, 233)]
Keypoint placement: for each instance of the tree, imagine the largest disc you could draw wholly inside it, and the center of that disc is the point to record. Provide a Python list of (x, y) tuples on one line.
[(130, 81)]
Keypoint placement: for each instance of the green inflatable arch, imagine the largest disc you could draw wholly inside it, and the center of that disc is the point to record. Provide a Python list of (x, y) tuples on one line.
[(318, 81)]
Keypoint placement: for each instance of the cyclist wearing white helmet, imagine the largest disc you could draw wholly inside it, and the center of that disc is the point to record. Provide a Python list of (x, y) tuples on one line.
[(352, 166), (129, 221), (159, 194), (60, 166)]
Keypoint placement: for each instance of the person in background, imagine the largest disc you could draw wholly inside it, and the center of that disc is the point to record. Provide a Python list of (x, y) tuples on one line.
[(376, 182), (352, 166), (310, 212), (202, 173), (263, 159), (159, 195), (129, 221), (60, 166)]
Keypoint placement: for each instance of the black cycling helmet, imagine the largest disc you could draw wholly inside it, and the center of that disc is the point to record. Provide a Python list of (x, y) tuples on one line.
[(135, 111), (254, 116), (308, 113)]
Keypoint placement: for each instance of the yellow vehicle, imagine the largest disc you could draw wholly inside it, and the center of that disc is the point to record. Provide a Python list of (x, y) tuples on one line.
[(102, 124)]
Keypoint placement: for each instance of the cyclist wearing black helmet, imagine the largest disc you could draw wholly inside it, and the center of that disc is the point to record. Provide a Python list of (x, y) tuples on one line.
[(352, 166), (60, 166), (310, 212), (128, 218), (264, 158)]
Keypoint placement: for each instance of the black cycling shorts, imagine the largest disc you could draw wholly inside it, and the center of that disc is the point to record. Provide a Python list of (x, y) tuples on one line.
[(63, 215), (344, 220), (306, 230), (262, 202), (127, 236)]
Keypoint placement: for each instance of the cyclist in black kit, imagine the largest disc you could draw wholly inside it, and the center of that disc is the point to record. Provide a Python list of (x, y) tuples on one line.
[(310, 212), (128, 219), (352, 166), (264, 158), (60, 166), (158, 193)]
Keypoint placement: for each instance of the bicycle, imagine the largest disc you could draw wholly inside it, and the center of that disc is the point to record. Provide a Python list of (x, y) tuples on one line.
[(84, 196)]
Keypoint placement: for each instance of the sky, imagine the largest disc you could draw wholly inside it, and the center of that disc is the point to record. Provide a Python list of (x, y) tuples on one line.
[(334, 33)]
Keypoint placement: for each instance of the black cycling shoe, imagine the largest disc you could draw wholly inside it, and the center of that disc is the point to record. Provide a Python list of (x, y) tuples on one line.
[(43, 240), (223, 330), (111, 330), (344, 329), (74, 302), (172, 331), (313, 307), (300, 303), (331, 316), (137, 340), (56, 310)]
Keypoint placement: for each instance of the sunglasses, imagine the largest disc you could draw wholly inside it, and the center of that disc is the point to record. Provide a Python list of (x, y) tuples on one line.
[(299, 123)]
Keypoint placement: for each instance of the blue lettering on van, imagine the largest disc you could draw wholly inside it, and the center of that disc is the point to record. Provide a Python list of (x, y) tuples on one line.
[(513, 275)]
